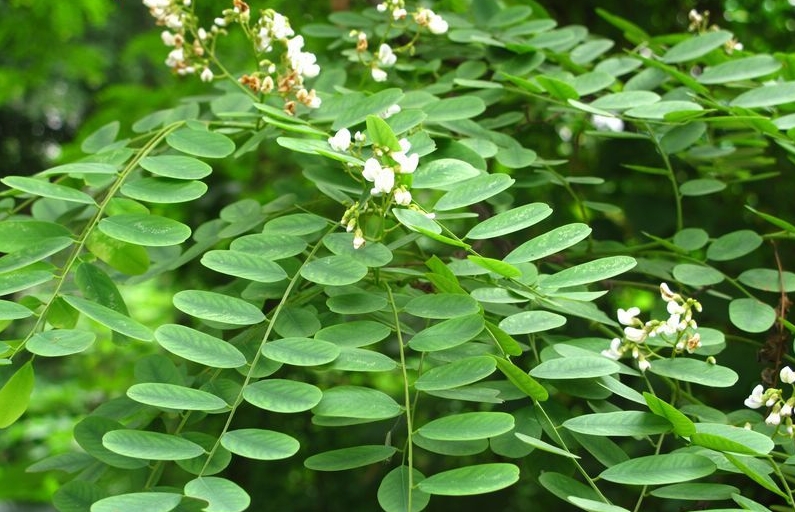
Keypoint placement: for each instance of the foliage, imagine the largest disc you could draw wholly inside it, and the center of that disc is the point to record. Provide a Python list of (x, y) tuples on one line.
[(416, 289)]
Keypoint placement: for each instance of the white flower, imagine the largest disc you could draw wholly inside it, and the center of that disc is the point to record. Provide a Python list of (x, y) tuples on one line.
[(390, 111), (407, 164), (787, 375), (168, 38), (264, 40), (280, 27), (386, 56), (206, 75), (358, 241), (643, 364), (674, 308), (175, 58), (173, 21), (359, 137), (773, 419), (371, 169), (402, 197), (666, 293), (694, 343), (627, 317), (202, 34), (614, 352), (378, 74), (220, 22), (756, 399), (304, 63), (381, 7), (634, 334), (382, 178), (607, 123), (436, 24), (399, 14), (157, 4), (786, 409), (341, 140)]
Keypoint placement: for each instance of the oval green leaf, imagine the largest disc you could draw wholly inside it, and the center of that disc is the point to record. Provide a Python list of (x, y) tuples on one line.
[(441, 305), (448, 334), (301, 351), (458, 373), (176, 166), (701, 187), (590, 272), (660, 469), (697, 275), (217, 307), (145, 229), (750, 315), (15, 395), (201, 143), (510, 221), (334, 271), (110, 318), (282, 395), (150, 445), (734, 245), (138, 501), (222, 495), (357, 402), (270, 247), (577, 367), (260, 444), (549, 243), (349, 458), (693, 370), (740, 69), (43, 188), (468, 426), (728, 438), (441, 173), (769, 280), (393, 493), (469, 480), (697, 46), (473, 191), (171, 396), (619, 423), (60, 342), (199, 347), (164, 190), (531, 321), (244, 265), (766, 96)]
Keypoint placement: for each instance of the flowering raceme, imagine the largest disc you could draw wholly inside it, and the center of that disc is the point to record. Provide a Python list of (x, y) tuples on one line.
[(780, 409)]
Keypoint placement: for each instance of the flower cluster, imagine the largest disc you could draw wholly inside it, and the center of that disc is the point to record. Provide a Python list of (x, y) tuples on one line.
[(188, 54), (295, 64), (386, 56), (781, 410), (678, 329), (383, 170)]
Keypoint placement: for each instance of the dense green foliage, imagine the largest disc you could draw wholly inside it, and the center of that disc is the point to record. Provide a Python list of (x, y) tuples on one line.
[(377, 260)]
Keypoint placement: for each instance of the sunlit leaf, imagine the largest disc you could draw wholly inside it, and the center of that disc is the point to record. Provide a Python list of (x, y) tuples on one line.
[(60, 342), (334, 270), (198, 347), (12, 282), (683, 426), (473, 191), (358, 333), (549, 243), (164, 190), (469, 480), (205, 144), (137, 501), (111, 319), (620, 423), (217, 307), (393, 493), (693, 370), (281, 395), (24, 257), (176, 166), (590, 272), (300, 351), (728, 438), (696, 46), (357, 402), (15, 395), (531, 321), (150, 445), (44, 188), (448, 333), (442, 173), (577, 367), (739, 69), (260, 444), (449, 109), (457, 373), (145, 229), (349, 458), (625, 100), (171, 396), (696, 492), (510, 221), (522, 380), (245, 265), (766, 96), (222, 495)]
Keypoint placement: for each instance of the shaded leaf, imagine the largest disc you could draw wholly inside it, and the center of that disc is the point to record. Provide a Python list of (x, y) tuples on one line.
[(109, 318), (349, 458), (138, 501), (469, 480), (393, 493), (150, 445), (15, 395), (205, 144), (260, 444)]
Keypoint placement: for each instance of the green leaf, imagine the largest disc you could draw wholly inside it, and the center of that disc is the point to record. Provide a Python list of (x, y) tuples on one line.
[(557, 88), (15, 395), (109, 318), (749, 504), (496, 266), (282, 395), (351, 109), (97, 286), (373, 254), (768, 280), (13, 282), (60, 342), (442, 173), (448, 334), (441, 305), (244, 265), (590, 50), (624, 100), (680, 138), (199, 347), (510, 221), (589, 83), (693, 370), (334, 270), (697, 46), (150, 445), (542, 445), (549, 243), (531, 321), (590, 272), (380, 134), (301, 351), (164, 190), (451, 448), (176, 166), (171, 396), (683, 426), (24, 257), (138, 501), (522, 380), (357, 402), (260, 444), (13, 311), (564, 486), (205, 144), (457, 373), (222, 495), (750, 315), (270, 247), (356, 303), (17, 235), (576, 367), (77, 496), (619, 423), (79, 169), (728, 438), (469, 480), (506, 343), (662, 108), (452, 109), (468, 426), (691, 239), (217, 307), (353, 359), (349, 458), (43, 188), (766, 96), (145, 229), (104, 136), (125, 257), (701, 187), (752, 473), (416, 221), (697, 275), (660, 469), (358, 333), (473, 191), (740, 69), (695, 492), (734, 245), (594, 505), (786, 226), (393, 493)]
